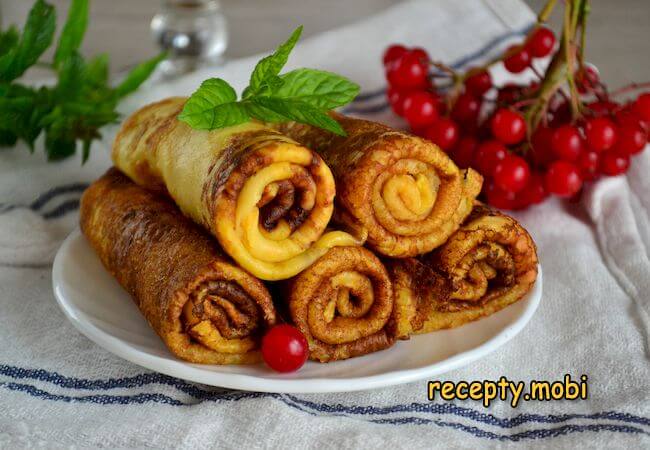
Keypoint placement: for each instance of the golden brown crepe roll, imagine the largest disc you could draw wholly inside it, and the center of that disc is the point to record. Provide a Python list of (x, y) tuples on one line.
[(488, 264), (404, 191), (266, 198), (205, 308), (343, 304)]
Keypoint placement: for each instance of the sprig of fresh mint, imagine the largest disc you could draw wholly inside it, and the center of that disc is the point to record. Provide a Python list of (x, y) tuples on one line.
[(302, 95), (81, 102)]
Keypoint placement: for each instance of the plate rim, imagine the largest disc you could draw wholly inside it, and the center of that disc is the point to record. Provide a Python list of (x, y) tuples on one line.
[(196, 373)]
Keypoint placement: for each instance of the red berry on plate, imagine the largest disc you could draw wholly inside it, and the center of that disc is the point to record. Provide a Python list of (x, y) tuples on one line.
[(541, 43), (393, 52), (508, 126), (600, 134), (613, 163), (479, 82), (444, 133), (284, 348), (567, 143), (517, 59), (589, 165), (488, 155), (463, 153), (641, 106), (563, 179), (466, 108), (499, 198), (512, 173), (396, 99), (408, 71), (420, 109), (534, 191)]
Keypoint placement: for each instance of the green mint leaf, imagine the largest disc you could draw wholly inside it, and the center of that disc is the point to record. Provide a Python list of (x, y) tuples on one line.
[(300, 112), (263, 113), (8, 39), (36, 38), (73, 31), (271, 65), (213, 105), (138, 75), (325, 90)]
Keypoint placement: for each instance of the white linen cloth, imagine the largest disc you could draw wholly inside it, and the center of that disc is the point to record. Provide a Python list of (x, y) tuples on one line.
[(58, 389)]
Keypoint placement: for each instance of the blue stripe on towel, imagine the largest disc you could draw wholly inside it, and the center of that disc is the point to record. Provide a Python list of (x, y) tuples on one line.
[(43, 199), (539, 433), (145, 379)]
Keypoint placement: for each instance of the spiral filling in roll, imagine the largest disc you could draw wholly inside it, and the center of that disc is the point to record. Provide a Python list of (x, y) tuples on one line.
[(488, 264), (404, 191), (266, 198), (204, 307), (343, 304)]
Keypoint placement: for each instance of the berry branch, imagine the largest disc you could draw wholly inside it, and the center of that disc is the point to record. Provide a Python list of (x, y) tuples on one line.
[(548, 137)]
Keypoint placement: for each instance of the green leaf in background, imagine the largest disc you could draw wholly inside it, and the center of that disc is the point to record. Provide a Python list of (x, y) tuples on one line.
[(71, 76), (96, 70), (36, 38), (300, 112), (271, 65), (18, 106), (7, 138), (138, 75), (85, 150), (8, 39), (213, 105), (58, 146), (79, 104), (317, 88), (73, 31)]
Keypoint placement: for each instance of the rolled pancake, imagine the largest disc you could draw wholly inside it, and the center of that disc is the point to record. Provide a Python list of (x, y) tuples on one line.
[(488, 264), (265, 198), (343, 304), (204, 307), (403, 190)]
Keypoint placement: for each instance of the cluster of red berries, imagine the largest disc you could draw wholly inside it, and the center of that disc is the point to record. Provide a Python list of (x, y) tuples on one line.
[(521, 166)]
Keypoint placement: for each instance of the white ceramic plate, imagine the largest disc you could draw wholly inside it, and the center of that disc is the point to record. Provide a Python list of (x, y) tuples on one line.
[(99, 308)]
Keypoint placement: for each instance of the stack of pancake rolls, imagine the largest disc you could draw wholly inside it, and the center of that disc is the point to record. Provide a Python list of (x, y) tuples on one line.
[(363, 239)]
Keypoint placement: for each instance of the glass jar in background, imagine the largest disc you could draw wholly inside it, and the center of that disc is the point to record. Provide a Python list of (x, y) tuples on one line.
[(193, 32)]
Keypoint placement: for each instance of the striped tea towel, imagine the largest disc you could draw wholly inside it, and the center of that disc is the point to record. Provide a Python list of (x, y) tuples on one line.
[(58, 389)]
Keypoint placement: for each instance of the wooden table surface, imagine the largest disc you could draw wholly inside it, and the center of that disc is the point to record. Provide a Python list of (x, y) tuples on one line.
[(618, 32)]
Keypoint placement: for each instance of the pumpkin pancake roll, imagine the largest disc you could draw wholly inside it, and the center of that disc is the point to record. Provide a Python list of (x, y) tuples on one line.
[(488, 264), (266, 198), (343, 304), (404, 191), (204, 307)]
